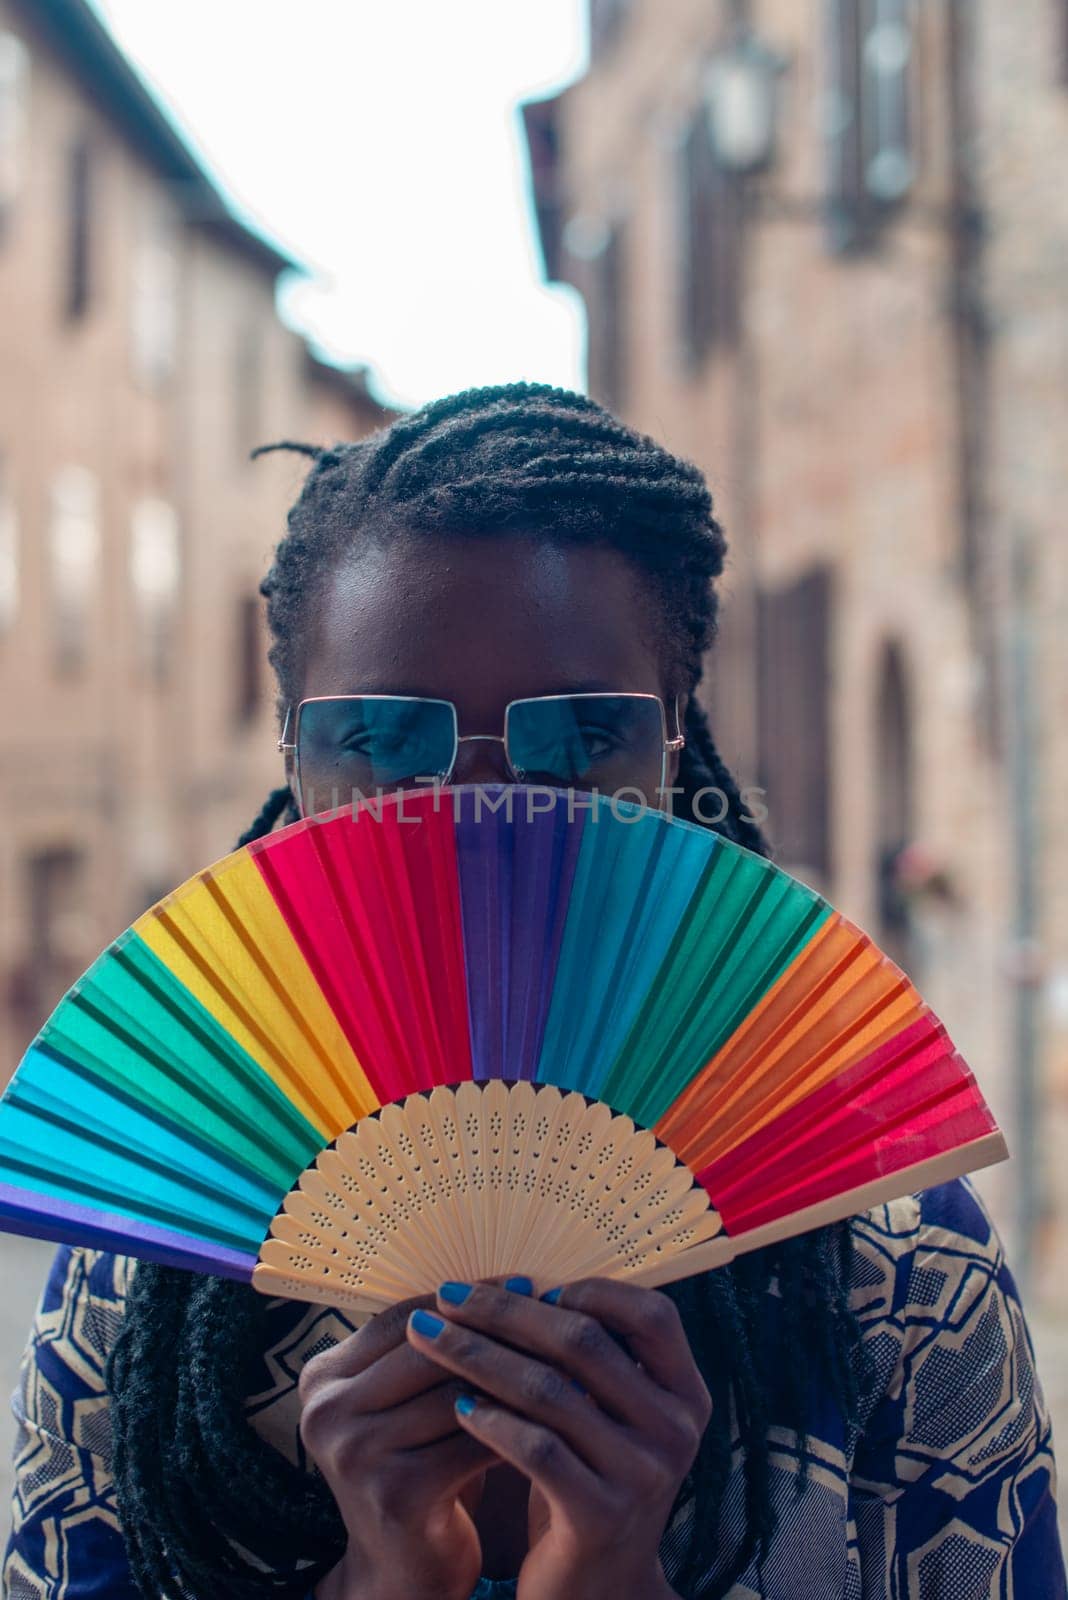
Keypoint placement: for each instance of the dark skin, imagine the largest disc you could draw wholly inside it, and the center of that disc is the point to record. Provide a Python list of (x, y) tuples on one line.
[(569, 1489)]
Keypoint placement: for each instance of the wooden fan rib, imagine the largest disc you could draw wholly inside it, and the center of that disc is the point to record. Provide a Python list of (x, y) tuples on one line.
[(309, 1260), (397, 1130), (274, 1283)]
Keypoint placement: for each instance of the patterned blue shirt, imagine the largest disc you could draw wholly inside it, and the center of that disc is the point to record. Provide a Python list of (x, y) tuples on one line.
[(946, 1492)]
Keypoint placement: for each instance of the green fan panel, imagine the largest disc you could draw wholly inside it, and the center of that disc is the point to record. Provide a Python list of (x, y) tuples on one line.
[(130, 1023)]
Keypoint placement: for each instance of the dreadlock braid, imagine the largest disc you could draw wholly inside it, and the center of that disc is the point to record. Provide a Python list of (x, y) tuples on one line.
[(207, 1505)]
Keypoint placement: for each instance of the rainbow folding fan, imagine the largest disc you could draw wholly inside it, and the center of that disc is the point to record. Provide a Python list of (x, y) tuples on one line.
[(470, 1031)]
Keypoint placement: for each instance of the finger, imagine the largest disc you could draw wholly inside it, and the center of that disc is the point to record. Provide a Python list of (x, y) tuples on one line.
[(419, 1456), (384, 1332), (436, 1471), (537, 1452), (652, 1327), (334, 1423), (527, 1387), (399, 1375), (581, 1346)]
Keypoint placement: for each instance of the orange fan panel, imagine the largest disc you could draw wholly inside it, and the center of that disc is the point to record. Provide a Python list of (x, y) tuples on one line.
[(836, 1003)]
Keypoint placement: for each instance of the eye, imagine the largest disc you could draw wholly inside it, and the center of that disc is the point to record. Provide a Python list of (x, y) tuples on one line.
[(370, 741), (600, 740)]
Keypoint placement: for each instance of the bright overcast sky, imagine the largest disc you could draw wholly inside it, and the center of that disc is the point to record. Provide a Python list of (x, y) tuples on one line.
[(379, 142)]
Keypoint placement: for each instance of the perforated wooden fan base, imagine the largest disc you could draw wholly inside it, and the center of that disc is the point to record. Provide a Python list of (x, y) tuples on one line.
[(478, 1180)]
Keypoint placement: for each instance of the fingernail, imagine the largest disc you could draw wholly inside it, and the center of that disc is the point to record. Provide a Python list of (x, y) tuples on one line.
[(553, 1295), (465, 1404), (519, 1285), (427, 1323), (581, 1389), (455, 1293)]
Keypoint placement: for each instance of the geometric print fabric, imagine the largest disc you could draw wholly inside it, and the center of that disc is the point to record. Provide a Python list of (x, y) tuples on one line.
[(946, 1491)]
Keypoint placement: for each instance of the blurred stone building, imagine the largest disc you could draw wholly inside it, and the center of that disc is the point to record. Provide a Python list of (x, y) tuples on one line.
[(141, 359), (823, 246)]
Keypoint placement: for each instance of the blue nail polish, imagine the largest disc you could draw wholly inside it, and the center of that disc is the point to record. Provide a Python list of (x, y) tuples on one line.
[(465, 1404), (427, 1323), (580, 1387), (455, 1293), (519, 1285), (553, 1295)]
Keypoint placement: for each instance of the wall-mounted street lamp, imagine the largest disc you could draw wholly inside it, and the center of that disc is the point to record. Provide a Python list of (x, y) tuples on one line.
[(741, 94)]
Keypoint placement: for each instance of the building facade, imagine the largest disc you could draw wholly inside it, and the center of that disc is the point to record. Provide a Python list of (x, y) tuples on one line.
[(141, 359), (822, 248)]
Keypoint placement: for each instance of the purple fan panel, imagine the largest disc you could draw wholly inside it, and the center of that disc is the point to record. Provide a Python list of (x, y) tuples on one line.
[(516, 867), (42, 1216)]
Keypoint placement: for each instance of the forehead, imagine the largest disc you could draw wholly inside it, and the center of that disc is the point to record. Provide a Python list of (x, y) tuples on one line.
[(482, 621)]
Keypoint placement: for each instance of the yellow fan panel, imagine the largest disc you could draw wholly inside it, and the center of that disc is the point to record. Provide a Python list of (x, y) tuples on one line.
[(223, 936)]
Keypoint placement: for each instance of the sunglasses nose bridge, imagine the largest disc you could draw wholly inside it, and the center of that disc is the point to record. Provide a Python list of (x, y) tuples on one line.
[(477, 761)]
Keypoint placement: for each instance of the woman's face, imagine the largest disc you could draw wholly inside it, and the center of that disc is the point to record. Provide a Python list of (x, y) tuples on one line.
[(482, 621)]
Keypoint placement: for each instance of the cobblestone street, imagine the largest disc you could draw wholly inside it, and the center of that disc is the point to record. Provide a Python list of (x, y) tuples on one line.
[(24, 1264)]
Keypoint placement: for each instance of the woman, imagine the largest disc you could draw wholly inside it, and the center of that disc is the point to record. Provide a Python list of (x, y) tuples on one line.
[(854, 1413)]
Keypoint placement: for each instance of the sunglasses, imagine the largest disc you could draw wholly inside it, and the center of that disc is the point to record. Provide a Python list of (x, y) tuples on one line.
[(346, 746)]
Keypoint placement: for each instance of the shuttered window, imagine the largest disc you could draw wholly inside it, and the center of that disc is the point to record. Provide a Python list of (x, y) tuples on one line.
[(709, 248), (79, 229), (866, 117)]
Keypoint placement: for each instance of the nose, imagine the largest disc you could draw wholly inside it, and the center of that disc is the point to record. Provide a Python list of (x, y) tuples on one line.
[(481, 760)]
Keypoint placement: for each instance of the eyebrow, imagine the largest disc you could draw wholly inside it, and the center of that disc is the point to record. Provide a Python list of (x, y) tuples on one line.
[(584, 686)]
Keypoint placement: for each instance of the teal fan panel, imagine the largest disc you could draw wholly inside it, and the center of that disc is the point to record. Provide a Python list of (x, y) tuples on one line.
[(62, 1135), (631, 887)]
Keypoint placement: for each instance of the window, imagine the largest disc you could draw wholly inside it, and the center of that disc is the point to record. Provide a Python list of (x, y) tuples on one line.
[(154, 297), (56, 949), (79, 209), (709, 247), (607, 355), (250, 659), (866, 117), (893, 805), (155, 573), (794, 716), (74, 548), (14, 87), (9, 555)]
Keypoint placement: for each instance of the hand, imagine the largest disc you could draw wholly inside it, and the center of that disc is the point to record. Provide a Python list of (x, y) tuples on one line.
[(604, 1466), (379, 1421)]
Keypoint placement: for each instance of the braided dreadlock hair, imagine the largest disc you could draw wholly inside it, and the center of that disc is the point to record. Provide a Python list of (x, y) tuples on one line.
[(207, 1506)]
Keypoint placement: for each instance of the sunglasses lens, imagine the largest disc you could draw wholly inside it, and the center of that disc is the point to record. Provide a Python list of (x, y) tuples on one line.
[(354, 746), (597, 741)]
